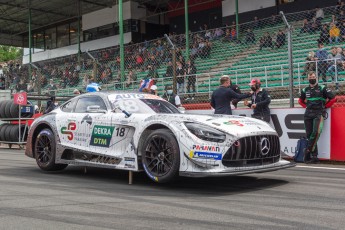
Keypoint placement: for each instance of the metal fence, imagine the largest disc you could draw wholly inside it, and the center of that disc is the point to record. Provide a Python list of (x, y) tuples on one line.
[(258, 49)]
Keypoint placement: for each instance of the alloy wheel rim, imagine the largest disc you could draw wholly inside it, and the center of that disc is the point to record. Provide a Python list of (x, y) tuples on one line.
[(159, 156), (44, 150)]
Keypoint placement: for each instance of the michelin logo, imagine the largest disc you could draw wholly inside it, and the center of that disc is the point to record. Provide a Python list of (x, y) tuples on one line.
[(205, 155)]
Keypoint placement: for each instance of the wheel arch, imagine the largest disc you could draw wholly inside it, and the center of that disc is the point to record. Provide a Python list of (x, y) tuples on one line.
[(147, 130)]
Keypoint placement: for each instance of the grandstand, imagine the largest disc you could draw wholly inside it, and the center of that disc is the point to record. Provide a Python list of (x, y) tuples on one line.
[(213, 57)]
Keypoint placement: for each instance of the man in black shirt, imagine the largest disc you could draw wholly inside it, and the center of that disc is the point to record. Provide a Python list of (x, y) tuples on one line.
[(222, 97), (237, 90)]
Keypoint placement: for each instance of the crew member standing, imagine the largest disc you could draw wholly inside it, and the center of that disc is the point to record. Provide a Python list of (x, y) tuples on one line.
[(222, 97), (260, 101), (315, 98), (171, 97)]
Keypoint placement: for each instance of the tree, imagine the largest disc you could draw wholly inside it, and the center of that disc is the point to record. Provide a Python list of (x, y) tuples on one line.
[(8, 53)]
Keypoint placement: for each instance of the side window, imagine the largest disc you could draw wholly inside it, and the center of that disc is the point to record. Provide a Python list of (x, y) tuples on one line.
[(84, 102), (68, 106)]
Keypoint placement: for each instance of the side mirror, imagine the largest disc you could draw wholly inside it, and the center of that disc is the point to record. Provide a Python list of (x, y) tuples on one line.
[(95, 109)]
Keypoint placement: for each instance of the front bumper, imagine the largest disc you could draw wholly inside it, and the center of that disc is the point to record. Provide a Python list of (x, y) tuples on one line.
[(231, 171)]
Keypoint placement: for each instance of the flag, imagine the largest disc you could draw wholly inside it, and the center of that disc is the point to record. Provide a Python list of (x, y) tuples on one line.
[(20, 98), (145, 84)]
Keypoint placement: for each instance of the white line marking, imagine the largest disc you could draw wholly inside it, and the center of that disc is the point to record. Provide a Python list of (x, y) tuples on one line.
[(315, 167)]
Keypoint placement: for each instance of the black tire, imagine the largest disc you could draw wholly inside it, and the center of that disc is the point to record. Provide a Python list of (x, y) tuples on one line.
[(44, 150), (14, 133), (7, 132), (1, 109), (14, 110), (8, 109), (160, 156), (2, 132)]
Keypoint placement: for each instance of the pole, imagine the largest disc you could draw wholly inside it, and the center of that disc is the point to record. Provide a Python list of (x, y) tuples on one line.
[(79, 14), (122, 56), (30, 41), (237, 29), (290, 58), (187, 27), (173, 50)]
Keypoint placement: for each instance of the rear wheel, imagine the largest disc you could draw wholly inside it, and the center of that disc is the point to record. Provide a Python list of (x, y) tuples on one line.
[(161, 156), (44, 151)]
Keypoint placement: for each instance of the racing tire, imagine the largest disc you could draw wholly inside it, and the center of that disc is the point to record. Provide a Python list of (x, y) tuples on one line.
[(8, 109), (45, 149), (14, 133), (6, 133), (160, 156), (2, 132), (14, 110), (1, 109)]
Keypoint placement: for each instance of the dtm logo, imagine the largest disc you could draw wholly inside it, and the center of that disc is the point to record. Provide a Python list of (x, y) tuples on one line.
[(68, 131)]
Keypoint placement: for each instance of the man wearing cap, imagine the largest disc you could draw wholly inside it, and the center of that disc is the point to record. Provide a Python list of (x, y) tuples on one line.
[(260, 101), (222, 97)]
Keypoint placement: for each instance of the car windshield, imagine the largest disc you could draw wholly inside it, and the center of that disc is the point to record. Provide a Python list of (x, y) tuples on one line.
[(142, 105)]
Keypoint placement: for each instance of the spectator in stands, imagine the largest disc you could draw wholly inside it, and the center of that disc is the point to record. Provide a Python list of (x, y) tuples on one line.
[(315, 25), (334, 60), (152, 72), (76, 92), (218, 33), (171, 97), (222, 97), (334, 20), (266, 41), (250, 37), (274, 20), (256, 23), (154, 89), (21, 86), (321, 57), (334, 33), (86, 80), (319, 14), (260, 100), (169, 72), (191, 78), (227, 36), (306, 27), (342, 31), (281, 38), (324, 34), (180, 71), (310, 64), (52, 87), (130, 78), (206, 51)]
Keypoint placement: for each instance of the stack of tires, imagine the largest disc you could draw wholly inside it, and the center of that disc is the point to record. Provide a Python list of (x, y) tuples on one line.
[(10, 111), (10, 132)]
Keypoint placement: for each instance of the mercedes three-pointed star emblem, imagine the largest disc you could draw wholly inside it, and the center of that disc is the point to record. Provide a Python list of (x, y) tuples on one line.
[(265, 146)]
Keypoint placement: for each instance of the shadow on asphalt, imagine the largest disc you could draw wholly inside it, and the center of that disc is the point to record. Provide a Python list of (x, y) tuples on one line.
[(110, 181)]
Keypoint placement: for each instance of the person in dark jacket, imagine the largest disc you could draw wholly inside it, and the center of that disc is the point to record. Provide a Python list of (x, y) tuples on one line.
[(259, 102), (171, 97), (51, 105), (222, 97), (315, 98), (236, 89)]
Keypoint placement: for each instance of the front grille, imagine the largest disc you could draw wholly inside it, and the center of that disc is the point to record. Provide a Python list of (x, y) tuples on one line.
[(247, 151)]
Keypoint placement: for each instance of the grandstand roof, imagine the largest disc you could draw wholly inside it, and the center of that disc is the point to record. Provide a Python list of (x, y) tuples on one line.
[(15, 15)]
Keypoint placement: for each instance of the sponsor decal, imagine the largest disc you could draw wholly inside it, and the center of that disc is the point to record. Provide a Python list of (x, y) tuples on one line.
[(101, 135), (206, 148), (69, 130), (205, 155), (233, 122), (130, 159)]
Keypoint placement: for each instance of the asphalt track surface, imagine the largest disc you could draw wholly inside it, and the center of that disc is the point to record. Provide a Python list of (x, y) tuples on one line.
[(297, 198)]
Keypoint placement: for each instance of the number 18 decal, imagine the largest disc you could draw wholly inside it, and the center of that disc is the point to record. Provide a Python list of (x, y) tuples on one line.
[(120, 132)]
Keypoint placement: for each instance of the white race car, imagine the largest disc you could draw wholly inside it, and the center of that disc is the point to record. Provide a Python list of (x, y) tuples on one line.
[(133, 131)]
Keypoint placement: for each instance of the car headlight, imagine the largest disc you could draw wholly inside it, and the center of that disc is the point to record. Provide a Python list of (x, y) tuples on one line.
[(205, 132)]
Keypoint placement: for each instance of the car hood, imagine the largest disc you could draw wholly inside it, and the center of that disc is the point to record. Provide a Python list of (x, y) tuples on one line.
[(234, 125)]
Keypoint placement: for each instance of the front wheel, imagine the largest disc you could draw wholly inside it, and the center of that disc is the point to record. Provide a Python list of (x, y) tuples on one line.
[(44, 150), (161, 156)]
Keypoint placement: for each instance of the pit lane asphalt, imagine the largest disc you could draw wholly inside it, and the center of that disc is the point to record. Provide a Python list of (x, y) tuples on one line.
[(296, 198)]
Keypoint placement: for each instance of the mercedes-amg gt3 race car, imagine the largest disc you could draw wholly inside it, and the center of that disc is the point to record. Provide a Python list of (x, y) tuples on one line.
[(136, 132)]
